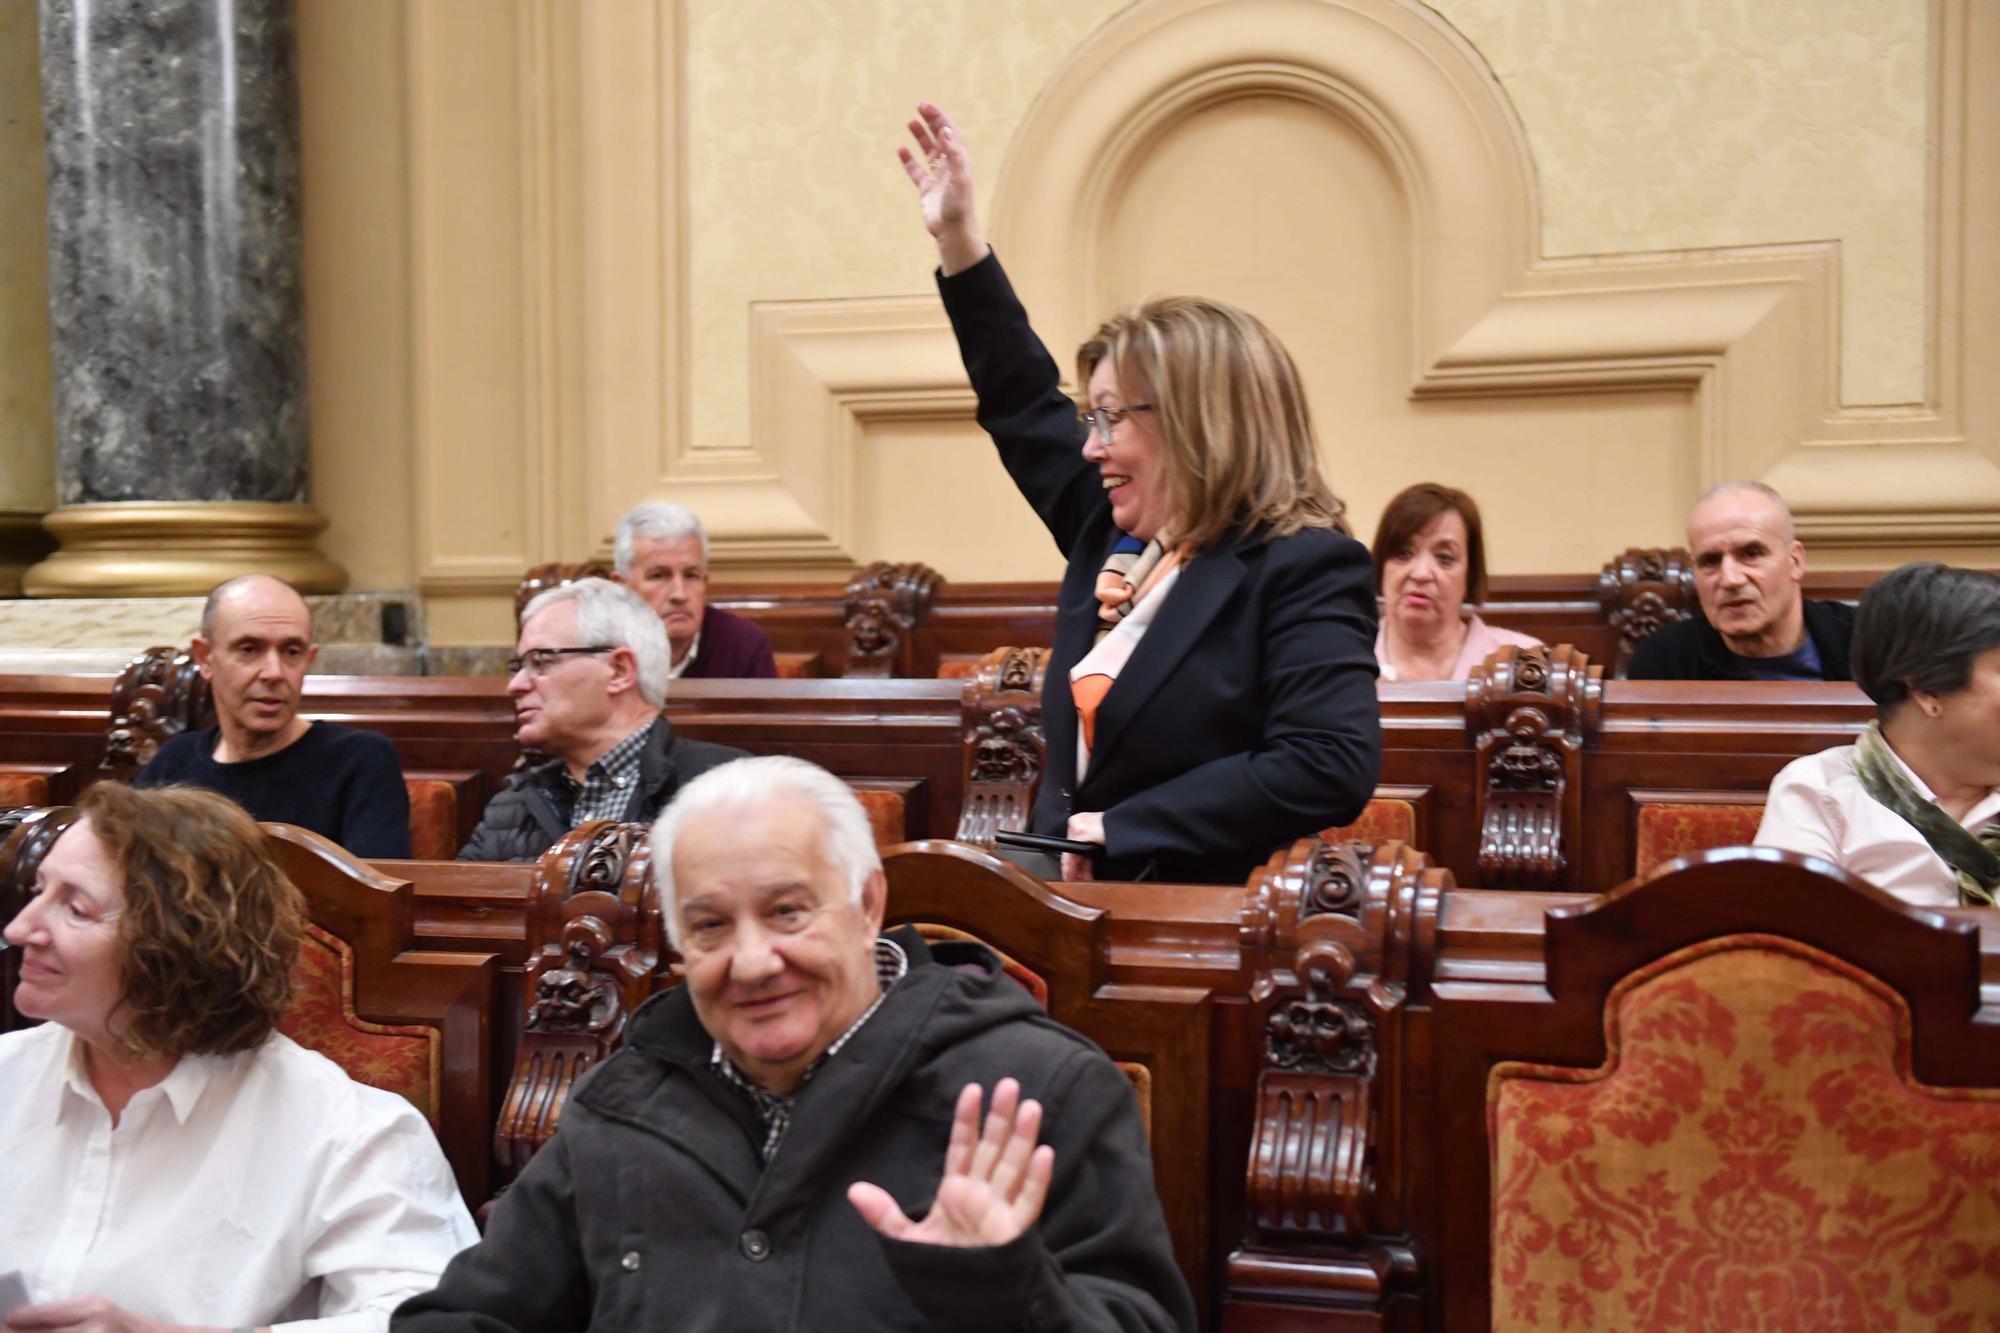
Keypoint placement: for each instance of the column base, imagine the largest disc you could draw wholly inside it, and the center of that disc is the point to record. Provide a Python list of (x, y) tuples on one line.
[(23, 541), (157, 548)]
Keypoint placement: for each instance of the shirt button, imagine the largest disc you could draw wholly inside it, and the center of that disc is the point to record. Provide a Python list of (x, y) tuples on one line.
[(1040, 1313), (756, 1246), (630, 1263)]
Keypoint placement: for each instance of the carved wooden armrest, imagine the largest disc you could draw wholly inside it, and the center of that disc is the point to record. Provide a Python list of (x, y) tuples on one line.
[(594, 935), (885, 602), (1004, 745), (1529, 710), (1641, 589), (160, 695)]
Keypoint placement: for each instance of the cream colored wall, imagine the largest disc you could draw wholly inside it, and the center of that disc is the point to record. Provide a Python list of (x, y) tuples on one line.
[(356, 206), (27, 425), (561, 257)]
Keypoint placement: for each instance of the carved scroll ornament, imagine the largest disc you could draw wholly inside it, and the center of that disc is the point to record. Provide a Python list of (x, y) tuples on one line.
[(1529, 710), (884, 603), (160, 695), (595, 944), (1641, 589), (1004, 745), (1346, 933)]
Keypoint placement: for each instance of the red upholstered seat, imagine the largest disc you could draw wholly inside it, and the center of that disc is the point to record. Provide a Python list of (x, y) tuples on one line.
[(885, 815), (1030, 982), (433, 819), (1668, 831), (799, 666), (403, 1059), (1753, 1153), (23, 789), (1383, 819)]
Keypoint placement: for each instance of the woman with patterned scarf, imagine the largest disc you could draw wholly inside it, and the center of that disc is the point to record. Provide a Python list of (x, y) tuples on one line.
[(1211, 688), (1914, 804)]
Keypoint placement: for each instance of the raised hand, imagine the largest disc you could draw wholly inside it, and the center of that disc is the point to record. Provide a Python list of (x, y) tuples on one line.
[(995, 1179), (941, 169)]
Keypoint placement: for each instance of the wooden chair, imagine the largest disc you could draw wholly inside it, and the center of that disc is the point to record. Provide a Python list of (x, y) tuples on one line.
[(411, 1021), (1753, 1091)]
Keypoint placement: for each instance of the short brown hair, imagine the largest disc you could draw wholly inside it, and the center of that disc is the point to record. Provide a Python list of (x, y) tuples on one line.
[(211, 925), (1411, 511), (1233, 419)]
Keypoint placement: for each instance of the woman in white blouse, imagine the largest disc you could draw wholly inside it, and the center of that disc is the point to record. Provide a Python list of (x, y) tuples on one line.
[(171, 1160), (1914, 805)]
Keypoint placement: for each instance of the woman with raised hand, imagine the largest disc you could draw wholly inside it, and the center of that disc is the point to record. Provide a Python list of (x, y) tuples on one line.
[(172, 1161), (1430, 557), (1211, 690), (1914, 804)]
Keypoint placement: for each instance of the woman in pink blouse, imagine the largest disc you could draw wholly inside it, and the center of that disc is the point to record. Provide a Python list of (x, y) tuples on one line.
[(1430, 555)]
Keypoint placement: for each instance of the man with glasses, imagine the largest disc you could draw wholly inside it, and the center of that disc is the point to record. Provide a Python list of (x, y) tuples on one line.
[(588, 680)]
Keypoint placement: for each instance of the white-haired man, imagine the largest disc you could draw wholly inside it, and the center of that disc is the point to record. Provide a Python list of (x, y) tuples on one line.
[(792, 1139), (661, 553), (588, 679), (1755, 622)]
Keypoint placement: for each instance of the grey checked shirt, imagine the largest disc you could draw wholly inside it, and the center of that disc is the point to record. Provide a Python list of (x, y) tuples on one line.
[(606, 789), (774, 1112)]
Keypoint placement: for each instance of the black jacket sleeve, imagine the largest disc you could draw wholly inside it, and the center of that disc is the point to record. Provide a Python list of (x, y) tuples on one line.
[(1021, 402), (526, 1275), (1098, 1258)]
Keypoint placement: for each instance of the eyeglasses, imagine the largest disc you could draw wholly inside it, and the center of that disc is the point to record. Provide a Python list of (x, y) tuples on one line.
[(540, 661), (1102, 419)]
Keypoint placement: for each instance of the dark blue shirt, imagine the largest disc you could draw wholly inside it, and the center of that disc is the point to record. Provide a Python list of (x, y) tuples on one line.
[(343, 784), (1802, 663)]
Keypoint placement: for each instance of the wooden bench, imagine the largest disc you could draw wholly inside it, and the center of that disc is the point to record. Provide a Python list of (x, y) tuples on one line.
[(1538, 773), (905, 619)]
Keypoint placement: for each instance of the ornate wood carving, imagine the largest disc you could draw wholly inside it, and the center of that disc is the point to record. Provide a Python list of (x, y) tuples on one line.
[(1342, 938), (594, 944), (1004, 747), (160, 695), (1528, 710), (553, 575), (26, 834), (1641, 589), (884, 603)]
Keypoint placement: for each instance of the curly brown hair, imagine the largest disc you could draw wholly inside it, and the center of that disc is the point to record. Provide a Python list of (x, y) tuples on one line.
[(211, 926)]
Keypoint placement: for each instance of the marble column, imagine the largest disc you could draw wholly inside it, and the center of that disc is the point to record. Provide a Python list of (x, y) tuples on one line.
[(175, 298)]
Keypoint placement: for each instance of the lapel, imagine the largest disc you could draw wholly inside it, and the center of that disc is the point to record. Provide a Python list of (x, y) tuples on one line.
[(1206, 584)]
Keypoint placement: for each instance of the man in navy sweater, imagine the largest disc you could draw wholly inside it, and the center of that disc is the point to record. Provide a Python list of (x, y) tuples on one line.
[(254, 647)]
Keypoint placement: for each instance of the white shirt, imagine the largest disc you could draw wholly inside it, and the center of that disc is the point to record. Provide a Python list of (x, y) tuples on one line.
[(675, 669), (1818, 806), (260, 1188)]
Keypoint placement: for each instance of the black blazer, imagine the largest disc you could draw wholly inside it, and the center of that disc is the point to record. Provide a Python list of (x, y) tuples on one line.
[(1247, 716)]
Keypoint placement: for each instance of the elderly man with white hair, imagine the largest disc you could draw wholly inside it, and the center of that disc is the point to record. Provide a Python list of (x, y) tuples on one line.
[(661, 553), (588, 679), (793, 1138)]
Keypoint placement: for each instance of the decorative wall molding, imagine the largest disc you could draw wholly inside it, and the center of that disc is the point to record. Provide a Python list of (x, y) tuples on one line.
[(1751, 334)]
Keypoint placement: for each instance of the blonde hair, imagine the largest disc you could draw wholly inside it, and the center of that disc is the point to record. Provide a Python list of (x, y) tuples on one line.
[(1232, 416)]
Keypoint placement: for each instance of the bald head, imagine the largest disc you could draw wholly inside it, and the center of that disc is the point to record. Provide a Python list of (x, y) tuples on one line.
[(253, 592), (1754, 495), (1748, 565)]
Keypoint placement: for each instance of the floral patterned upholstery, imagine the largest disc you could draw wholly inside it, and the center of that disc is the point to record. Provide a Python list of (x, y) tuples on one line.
[(959, 666), (433, 819), (402, 1059), (23, 789), (1381, 820), (1669, 831), (885, 815), (1754, 1153)]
